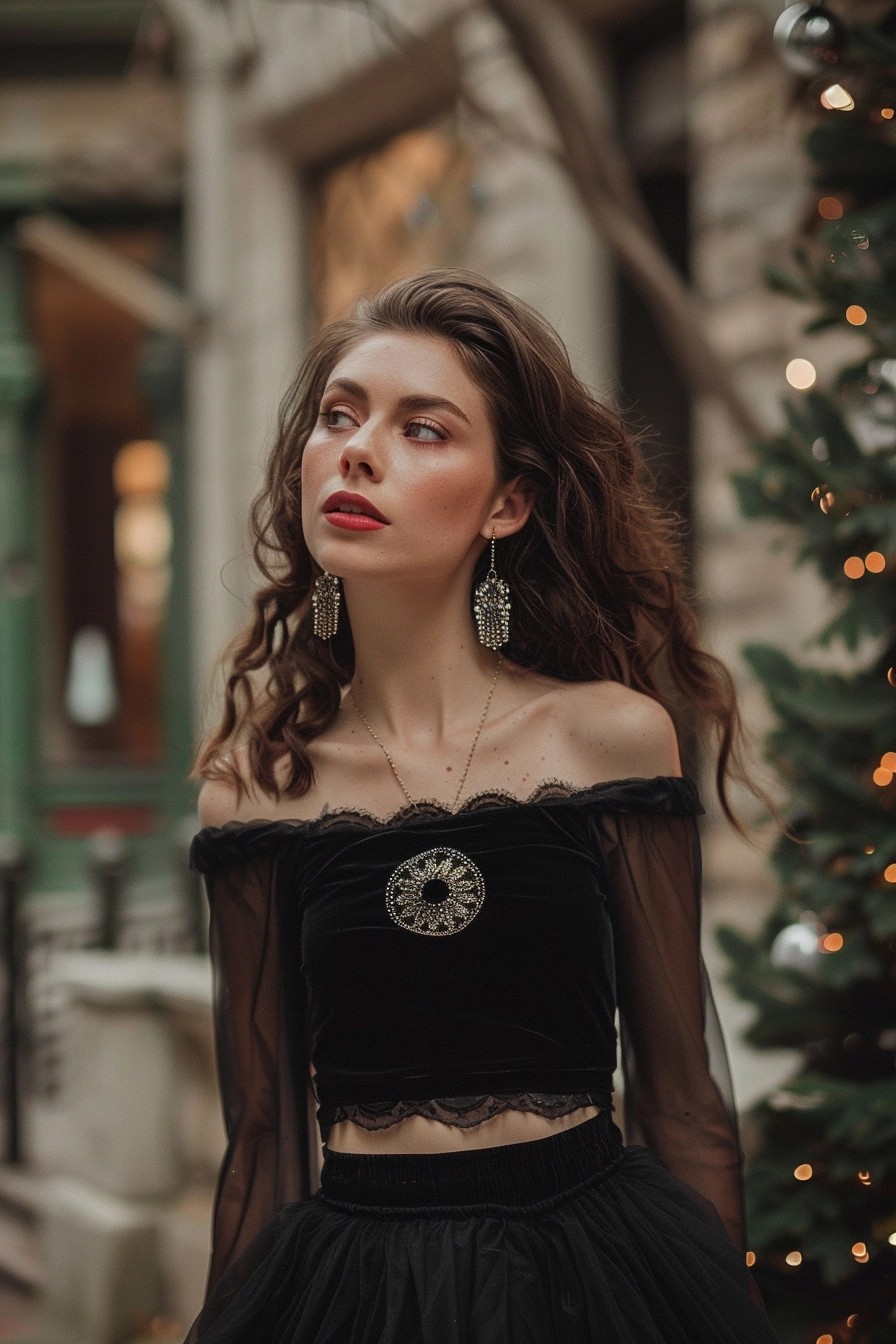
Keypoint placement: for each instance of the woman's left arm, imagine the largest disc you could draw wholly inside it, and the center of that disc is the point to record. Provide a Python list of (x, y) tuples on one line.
[(678, 1093)]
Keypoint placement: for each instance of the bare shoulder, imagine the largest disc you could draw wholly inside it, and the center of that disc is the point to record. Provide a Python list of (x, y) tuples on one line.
[(617, 732), (219, 800)]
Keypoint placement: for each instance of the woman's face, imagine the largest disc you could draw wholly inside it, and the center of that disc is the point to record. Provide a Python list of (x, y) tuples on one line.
[(404, 430)]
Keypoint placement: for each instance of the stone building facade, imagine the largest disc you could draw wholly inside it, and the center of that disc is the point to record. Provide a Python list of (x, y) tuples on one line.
[(263, 138)]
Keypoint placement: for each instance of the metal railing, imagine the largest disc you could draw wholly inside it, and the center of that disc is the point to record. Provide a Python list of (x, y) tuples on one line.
[(14, 869)]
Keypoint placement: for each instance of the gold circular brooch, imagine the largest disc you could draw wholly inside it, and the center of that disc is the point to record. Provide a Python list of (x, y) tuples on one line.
[(436, 893)]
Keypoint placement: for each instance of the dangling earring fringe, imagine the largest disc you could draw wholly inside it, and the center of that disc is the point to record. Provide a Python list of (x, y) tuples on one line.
[(325, 600), (491, 607)]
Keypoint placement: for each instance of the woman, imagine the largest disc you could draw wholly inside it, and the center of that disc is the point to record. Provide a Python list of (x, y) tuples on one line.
[(450, 834)]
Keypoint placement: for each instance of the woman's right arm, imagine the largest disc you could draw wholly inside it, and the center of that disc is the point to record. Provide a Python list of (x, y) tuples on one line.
[(268, 1159)]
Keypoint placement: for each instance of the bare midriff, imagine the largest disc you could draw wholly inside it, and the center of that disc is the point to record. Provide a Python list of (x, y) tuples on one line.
[(419, 1134)]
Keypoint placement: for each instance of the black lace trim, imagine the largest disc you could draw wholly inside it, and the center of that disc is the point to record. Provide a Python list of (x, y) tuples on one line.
[(218, 846), (462, 1112), (428, 808)]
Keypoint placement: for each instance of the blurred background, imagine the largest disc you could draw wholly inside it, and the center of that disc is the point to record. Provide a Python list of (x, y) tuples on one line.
[(699, 195)]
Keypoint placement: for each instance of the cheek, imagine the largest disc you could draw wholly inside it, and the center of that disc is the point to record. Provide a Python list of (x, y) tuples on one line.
[(311, 473), (447, 497)]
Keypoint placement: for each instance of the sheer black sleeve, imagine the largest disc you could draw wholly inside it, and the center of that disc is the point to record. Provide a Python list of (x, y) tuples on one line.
[(678, 1100), (266, 1094)]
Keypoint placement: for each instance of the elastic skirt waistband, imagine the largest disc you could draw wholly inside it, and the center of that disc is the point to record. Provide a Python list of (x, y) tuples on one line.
[(515, 1176)]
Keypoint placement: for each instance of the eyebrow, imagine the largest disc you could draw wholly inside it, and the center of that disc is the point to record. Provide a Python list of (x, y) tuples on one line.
[(420, 401)]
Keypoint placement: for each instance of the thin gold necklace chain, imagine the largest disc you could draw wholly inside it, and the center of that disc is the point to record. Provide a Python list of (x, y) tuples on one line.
[(401, 782)]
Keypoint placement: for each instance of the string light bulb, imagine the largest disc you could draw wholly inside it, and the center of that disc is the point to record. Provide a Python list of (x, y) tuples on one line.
[(800, 373), (837, 99), (829, 207)]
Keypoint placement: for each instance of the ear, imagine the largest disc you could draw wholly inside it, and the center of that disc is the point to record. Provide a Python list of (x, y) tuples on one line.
[(513, 505)]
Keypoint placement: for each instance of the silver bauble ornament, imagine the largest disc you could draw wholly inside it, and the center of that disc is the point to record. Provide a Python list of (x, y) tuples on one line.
[(796, 947), (809, 38)]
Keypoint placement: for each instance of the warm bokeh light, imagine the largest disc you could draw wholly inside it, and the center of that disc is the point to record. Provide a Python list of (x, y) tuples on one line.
[(750, 1258), (825, 1339), (800, 373), (882, 776), (803, 1172), (824, 497), (887, 113), (891, 675), (794, 1257), (141, 467), (856, 315), (830, 208), (869, 849), (890, 872), (837, 99), (832, 942), (854, 567), (889, 760), (860, 1251), (865, 1177), (875, 562)]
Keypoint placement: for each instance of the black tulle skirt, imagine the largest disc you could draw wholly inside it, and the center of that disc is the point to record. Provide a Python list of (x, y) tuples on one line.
[(573, 1239)]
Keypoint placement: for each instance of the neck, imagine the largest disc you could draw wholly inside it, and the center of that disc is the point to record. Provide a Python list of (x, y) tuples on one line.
[(421, 675)]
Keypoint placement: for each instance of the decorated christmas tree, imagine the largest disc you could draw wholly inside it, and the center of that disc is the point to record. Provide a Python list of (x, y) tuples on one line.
[(821, 1174)]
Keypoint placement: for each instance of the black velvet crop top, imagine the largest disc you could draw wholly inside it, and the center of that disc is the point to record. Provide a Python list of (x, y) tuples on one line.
[(458, 963)]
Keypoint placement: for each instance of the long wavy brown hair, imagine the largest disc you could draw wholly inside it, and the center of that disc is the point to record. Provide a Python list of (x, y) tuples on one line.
[(597, 574)]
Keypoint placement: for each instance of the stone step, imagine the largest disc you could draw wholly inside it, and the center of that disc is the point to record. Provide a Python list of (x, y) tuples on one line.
[(20, 1259)]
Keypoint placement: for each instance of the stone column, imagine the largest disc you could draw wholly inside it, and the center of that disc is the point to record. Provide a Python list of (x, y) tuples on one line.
[(749, 192)]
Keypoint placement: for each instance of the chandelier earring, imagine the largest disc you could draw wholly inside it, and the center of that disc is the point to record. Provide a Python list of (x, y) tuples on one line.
[(491, 607), (325, 601)]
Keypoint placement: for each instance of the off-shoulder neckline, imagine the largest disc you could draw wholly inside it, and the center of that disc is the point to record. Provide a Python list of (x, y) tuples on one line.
[(547, 791)]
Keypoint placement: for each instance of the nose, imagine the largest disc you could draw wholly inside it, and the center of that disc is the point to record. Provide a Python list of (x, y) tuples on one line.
[(360, 454)]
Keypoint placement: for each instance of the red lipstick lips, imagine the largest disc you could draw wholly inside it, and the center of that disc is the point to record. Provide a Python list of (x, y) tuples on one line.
[(353, 512)]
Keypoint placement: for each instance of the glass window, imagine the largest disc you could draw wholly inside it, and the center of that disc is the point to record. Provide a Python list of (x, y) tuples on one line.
[(107, 525), (404, 208)]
